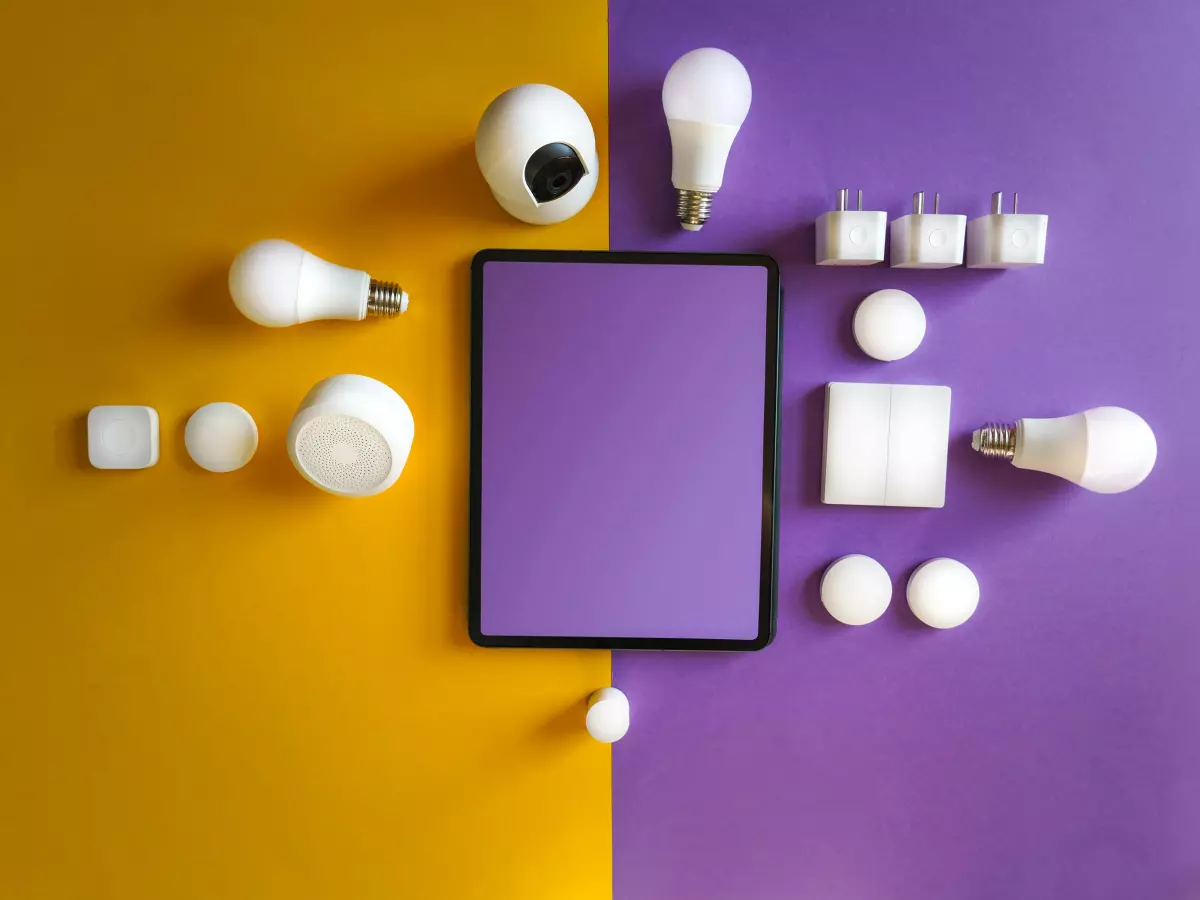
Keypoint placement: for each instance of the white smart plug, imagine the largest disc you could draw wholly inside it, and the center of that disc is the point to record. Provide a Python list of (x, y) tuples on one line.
[(928, 240), (1006, 240), (851, 237)]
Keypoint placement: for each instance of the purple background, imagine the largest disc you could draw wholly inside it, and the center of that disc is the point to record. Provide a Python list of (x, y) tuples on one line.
[(1050, 747), (622, 449)]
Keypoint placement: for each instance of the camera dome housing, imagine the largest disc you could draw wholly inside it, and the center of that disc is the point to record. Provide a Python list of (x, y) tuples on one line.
[(537, 151)]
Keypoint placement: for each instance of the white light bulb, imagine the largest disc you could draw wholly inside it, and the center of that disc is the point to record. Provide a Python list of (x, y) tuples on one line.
[(276, 283), (706, 97), (1107, 450)]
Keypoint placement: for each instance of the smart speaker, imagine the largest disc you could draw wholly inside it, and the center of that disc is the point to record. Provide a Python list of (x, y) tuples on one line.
[(351, 436)]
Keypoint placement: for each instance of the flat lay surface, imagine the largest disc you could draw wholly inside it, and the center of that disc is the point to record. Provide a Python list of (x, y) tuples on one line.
[(234, 685), (1047, 747), (237, 686)]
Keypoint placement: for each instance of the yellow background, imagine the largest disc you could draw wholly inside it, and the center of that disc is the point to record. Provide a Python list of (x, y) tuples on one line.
[(235, 686)]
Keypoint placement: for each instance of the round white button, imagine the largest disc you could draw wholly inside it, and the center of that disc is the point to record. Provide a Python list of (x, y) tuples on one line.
[(120, 436), (221, 437), (858, 234), (1020, 238), (889, 325), (856, 589), (937, 238), (608, 715), (943, 593)]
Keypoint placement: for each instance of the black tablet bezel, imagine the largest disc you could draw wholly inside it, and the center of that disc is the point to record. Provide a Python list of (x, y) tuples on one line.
[(771, 401)]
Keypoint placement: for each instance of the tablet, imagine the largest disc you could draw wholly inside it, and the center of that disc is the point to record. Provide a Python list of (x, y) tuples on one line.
[(624, 450)]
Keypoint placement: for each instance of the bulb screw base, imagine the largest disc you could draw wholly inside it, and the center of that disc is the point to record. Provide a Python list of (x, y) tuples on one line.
[(694, 209), (995, 440), (386, 299)]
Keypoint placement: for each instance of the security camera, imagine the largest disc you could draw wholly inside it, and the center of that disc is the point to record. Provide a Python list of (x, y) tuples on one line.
[(537, 151)]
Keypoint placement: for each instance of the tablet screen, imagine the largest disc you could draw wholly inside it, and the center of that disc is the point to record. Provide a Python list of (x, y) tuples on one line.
[(625, 416)]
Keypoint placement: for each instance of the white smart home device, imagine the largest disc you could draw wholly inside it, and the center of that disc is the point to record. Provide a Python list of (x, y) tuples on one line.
[(608, 715), (706, 97), (221, 437), (1013, 240), (351, 436), (889, 325), (537, 151), (277, 284), (851, 237), (1108, 449), (924, 240), (885, 444), (122, 437), (856, 589), (943, 593)]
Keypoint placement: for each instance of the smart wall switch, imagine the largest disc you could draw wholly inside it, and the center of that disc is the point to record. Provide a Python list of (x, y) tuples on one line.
[(885, 444)]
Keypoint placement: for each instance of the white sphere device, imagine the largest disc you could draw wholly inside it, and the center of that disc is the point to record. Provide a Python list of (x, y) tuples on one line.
[(608, 715), (221, 437), (275, 283), (889, 325), (351, 436), (537, 151), (856, 590), (943, 593)]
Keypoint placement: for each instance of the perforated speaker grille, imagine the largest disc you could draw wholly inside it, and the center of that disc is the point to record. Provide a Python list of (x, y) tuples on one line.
[(344, 454)]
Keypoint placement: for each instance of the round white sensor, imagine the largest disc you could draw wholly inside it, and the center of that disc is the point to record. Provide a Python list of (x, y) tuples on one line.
[(943, 593), (856, 589), (608, 715), (221, 437), (889, 325)]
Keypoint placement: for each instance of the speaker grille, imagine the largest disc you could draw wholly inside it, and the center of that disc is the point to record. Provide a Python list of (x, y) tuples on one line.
[(343, 454)]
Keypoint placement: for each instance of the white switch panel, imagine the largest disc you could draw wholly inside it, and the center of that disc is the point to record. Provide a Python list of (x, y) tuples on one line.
[(917, 442), (885, 444), (856, 443)]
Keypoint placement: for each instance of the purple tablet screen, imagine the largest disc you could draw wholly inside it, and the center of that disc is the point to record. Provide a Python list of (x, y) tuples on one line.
[(622, 449)]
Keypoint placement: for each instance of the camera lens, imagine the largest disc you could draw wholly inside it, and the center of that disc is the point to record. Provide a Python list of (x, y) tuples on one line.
[(552, 171)]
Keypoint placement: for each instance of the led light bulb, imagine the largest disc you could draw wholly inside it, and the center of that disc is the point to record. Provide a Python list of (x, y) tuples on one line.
[(706, 96), (1107, 450), (276, 283)]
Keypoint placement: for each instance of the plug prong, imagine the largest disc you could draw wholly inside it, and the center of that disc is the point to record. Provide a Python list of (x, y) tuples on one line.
[(860, 199), (997, 203), (842, 197), (937, 203), (1014, 203), (918, 203)]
